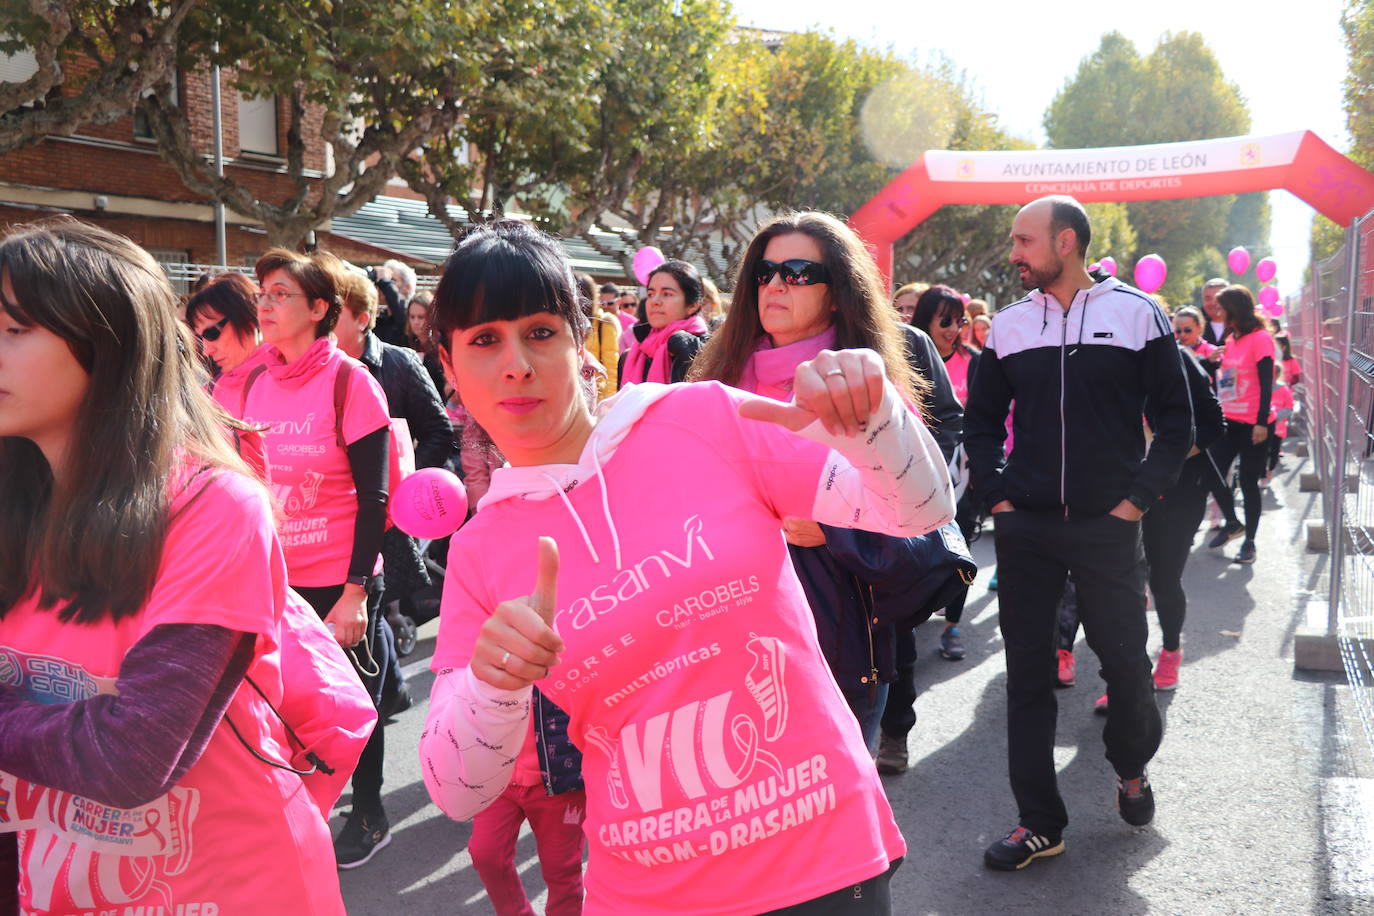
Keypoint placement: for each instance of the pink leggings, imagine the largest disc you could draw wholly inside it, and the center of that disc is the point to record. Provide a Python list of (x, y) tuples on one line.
[(556, 821)]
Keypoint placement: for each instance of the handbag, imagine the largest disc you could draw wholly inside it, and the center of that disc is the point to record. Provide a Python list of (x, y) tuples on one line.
[(911, 578)]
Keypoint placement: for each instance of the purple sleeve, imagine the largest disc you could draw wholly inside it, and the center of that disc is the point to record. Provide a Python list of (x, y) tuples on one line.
[(128, 748)]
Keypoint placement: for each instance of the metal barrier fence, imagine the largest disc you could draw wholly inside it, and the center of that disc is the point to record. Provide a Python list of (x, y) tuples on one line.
[(1332, 329), (183, 274)]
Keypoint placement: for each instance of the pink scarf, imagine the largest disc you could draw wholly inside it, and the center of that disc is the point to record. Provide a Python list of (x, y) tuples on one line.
[(771, 369), (653, 350)]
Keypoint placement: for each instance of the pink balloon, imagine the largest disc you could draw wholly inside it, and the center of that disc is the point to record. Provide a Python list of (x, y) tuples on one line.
[(431, 503), (646, 259), (1108, 265), (966, 297), (1150, 273), (1238, 260), (1268, 296), (1276, 310), (1265, 270)]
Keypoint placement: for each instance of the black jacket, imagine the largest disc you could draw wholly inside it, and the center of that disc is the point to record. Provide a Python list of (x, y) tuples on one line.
[(682, 349), (560, 762), (1080, 379), (1208, 423), (946, 413), (393, 315), (410, 395)]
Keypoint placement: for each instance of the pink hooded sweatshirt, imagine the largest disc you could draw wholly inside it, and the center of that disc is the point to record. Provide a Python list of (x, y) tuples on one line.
[(718, 748)]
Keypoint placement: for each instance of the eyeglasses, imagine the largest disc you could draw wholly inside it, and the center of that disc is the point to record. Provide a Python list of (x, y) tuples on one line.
[(1179, 332), (947, 321), (211, 333), (795, 272), (275, 297)]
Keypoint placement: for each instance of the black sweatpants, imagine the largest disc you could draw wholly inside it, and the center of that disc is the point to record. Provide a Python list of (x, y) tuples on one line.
[(1167, 531), (899, 715), (1253, 458), (1035, 553), (367, 778)]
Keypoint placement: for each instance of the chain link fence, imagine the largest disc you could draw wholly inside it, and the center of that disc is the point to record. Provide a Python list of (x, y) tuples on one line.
[(1332, 329)]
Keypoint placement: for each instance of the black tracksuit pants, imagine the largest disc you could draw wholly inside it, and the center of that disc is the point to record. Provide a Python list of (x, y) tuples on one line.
[(1036, 551), (1253, 458), (1168, 530)]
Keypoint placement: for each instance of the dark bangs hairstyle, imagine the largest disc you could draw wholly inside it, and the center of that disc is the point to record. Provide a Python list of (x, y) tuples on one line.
[(863, 316), (504, 271), (96, 542), (232, 295), (935, 303), (1239, 304), (688, 280), (319, 275)]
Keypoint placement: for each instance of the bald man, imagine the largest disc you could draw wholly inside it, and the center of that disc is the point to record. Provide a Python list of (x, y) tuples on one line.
[(1084, 361)]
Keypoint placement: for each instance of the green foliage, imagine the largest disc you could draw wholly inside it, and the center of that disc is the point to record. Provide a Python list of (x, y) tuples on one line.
[(1177, 92), (1357, 21)]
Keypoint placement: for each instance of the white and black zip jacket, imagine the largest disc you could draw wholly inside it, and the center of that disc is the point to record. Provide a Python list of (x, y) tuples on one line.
[(1080, 380)]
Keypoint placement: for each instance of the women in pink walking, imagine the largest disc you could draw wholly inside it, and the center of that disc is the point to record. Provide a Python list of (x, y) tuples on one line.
[(666, 620), (141, 583)]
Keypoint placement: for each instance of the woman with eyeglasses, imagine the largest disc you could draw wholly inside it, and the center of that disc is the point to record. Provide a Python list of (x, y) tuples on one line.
[(665, 620), (141, 584), (672, 329), (328, 447), (806, 284)]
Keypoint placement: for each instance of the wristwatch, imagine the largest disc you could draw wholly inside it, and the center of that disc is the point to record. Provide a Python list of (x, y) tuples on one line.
[(360, 581)]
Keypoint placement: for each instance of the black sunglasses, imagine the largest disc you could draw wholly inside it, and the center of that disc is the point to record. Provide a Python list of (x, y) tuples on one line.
[(212, 333), (947, 321), (795, 272)]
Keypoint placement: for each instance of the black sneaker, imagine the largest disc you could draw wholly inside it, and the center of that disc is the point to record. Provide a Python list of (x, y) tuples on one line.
[(361, 838), (1247, 553), (1135, 800), (1020, 848), (1225, 533)]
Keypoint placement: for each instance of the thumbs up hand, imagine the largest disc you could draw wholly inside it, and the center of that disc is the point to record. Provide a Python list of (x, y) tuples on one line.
[(841, 388), (517, 644)]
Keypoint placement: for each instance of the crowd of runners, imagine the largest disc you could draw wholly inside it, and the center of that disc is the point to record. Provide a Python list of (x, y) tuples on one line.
[(676, 630)]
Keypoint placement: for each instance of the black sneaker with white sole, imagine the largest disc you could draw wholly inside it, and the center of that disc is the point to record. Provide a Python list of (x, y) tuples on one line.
[(1135, 800), (1222, 534), (1019, 848), (362, 837), (1246, 555)]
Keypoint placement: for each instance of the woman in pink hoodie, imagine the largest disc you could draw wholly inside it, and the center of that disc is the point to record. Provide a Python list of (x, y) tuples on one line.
[(666, 621)]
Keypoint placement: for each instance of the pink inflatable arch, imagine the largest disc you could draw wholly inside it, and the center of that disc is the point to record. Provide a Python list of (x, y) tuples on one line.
[(1298, 162)]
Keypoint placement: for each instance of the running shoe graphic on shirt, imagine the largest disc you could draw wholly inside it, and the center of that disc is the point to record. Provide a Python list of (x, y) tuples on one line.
[(599, 738), (765, 682)]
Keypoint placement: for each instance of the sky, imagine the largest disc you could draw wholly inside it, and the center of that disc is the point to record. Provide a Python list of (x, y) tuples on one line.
[(1288, 61)]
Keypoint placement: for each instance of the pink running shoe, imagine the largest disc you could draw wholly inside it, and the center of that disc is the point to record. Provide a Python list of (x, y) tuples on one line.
[(1166, 669), (1067, 677), (1100, 706)]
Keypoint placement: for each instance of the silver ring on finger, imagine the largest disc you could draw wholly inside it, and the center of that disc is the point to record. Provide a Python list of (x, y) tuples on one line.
[(505, 657), (833, 372)]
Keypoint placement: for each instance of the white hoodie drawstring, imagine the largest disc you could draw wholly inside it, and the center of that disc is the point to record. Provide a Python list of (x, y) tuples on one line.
[(586, 538), (606, 508)]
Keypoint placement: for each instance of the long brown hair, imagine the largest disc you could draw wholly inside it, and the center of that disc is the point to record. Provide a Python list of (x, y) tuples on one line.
[(96, 542), (863, 316)]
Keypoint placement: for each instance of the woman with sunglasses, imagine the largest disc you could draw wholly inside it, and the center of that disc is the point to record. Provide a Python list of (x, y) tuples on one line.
[(141, 583), (1188, 329), (671, 331), (224, 316), (666, 620), (807, 284), (328, 448)]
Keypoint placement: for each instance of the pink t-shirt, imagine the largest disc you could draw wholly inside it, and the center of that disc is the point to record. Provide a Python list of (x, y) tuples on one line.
[(307, 470), (234, 835), (1282, 399), (725, 773), (957, 367), (1238, 379), (1204, 349)]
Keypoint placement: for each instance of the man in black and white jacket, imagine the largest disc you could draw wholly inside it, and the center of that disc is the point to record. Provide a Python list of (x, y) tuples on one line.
[(1079, 358)]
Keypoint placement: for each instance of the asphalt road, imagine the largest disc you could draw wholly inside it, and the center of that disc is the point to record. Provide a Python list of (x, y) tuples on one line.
[(1264, 783)]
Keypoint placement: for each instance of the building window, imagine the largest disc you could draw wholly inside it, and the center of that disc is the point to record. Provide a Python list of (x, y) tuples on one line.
[(175, 262), (258, 125), (143, 129)]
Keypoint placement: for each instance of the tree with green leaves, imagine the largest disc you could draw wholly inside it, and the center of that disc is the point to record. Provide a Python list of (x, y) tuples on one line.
[(1357, 24), (368, 79), (93, 60), (1177, 92)]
